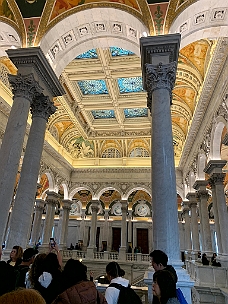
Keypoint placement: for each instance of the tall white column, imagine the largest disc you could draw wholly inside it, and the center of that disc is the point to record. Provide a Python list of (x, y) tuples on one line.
[(187, 228), (63, 222), (202, 195), (129, 234), (41, 109), (191, 196), (123, 246), (92, 243), (24, 89), (39, 207), (51, 202), (82, 227), (106, 229), (214, 169)]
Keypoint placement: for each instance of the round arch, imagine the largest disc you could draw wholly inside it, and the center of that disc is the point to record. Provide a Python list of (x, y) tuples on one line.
[(9, 38), (132, 189), (51, 179), (216, 137), (77, 34), (75, 189), (102, 189)]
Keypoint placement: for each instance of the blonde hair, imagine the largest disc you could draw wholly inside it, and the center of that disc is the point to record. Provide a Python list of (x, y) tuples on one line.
[(22, 296)]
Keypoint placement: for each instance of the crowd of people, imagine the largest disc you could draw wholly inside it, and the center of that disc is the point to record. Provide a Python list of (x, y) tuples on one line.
[(32, 277)]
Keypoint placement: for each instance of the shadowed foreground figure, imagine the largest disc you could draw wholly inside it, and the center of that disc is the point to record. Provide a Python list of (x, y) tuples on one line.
[(22, 296), (77, 289)]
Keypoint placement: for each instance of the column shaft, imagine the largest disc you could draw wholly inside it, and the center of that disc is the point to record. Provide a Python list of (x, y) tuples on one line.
[(63, 222), (92, 243), (35, 235), (124, 225), (191, 196), (188, 243)]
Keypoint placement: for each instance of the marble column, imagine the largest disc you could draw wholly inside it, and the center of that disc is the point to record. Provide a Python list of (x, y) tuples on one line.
[(191, 196), (35, 75), (63, 223), (82, 228), (39, 207), (51, 202), (41, 109), (202, 195), (106, 230), (214, 169), (123, 246), (129, 234), (24, 88), (187, 228), (93, 231)]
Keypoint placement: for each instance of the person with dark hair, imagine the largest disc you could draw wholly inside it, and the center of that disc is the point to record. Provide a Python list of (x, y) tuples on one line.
[(77, 289), (164, 287), (114, 275), (35, 271), (159, 260), (28, 258), (7, 277), (49, 282), (205, 261), (214, 262), (16, 255)]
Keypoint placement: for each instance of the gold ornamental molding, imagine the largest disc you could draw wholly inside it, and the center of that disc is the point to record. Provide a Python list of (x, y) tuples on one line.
[(174, 9), (20, 26), (44, 26)]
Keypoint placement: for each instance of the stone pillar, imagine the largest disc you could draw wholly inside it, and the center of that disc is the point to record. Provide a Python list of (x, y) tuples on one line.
[(106, 228), (24, 88), (82, 228), (187, 228), (214, 169), (202, 195), (51, 202), (123, 247), (159, 64), (41, 109), (39, 207), (92, 243), (129, 234), (191, 196), (63, 222)]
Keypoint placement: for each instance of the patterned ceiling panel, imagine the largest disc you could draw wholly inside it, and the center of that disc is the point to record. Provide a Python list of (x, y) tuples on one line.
[(93, 87), (137, 112), (103, 114), (91, 54), (130, 85), (116, 51)]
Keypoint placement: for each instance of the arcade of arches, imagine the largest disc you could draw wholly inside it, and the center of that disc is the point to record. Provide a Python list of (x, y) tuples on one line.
[(81, 123)]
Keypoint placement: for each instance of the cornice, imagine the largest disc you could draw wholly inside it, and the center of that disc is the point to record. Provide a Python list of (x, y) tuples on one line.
[(208, 103), (113, 170)]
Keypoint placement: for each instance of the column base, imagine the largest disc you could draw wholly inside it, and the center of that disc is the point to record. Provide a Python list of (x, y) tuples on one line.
[(223, 259), (90, 252), (122, 253)]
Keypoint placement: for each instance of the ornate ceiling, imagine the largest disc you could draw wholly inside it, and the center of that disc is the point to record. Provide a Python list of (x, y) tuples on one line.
[(103, 113)]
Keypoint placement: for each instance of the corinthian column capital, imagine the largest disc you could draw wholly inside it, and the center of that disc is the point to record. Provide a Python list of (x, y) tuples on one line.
[(42, 107), (25, 86), (161, 76)]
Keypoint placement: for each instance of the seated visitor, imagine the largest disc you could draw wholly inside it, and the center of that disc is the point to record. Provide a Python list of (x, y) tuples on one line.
[(22, 296), (164, 287), (16, 255), (77, 289), (205, 261), (214, 262)]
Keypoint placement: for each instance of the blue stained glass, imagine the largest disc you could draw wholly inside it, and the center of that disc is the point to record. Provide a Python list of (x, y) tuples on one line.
[(129, 85), (88, 55), (93, 87), (137, 112), (116, 51), (98, 114)]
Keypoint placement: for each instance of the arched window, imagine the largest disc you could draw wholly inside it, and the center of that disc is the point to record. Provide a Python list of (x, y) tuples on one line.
[(139, 152), (111, 153)]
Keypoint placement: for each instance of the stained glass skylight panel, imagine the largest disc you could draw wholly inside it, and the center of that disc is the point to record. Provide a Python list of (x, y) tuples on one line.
[(103, 114), (93, 87), (91, 54), (116, 51), (136, 112), (130, 85)]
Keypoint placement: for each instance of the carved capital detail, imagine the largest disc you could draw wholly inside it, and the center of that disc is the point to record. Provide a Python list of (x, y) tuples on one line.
[(217, 178), (202, 194), (25, 86), (42, 107), (158, 77)]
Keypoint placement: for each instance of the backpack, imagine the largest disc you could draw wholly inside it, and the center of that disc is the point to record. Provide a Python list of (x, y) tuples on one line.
[(181, 297), (127, 295)]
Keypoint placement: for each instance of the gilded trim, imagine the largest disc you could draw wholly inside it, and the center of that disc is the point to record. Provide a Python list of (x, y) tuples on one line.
[(20, 22), (174, 10), (45, 27)]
